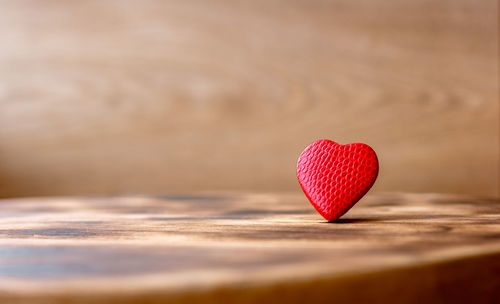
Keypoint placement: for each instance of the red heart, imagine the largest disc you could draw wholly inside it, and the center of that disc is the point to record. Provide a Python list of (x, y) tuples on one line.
[(335, 177)]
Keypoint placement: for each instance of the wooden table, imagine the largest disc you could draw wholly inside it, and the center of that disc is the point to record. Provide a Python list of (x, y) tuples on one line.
[(227, 247)]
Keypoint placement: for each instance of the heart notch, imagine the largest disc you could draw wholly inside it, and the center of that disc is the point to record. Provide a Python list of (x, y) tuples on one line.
[(335, 177)]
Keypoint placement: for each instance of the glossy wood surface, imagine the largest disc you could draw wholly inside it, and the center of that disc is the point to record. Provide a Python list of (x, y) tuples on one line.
[(224, 247)]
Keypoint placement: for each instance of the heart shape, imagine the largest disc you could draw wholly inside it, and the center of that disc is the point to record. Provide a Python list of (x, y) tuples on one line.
[(334, 177)]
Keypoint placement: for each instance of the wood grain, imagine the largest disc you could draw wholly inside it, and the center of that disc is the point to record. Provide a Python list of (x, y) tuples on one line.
[(158, 96), (223, 247)]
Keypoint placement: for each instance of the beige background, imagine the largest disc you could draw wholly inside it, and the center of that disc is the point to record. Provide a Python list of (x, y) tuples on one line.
[(101, 97)]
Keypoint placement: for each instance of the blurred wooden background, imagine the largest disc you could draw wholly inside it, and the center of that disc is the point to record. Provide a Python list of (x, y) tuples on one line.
[(104, 97)]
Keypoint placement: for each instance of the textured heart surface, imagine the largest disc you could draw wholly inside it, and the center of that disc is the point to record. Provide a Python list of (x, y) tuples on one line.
[(334, 177)]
